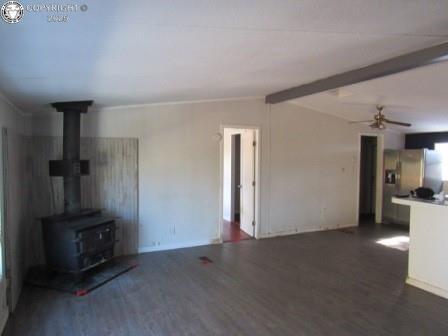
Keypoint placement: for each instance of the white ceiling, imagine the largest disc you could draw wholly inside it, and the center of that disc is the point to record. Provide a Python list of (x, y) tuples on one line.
[(122, 53), (418, 96)]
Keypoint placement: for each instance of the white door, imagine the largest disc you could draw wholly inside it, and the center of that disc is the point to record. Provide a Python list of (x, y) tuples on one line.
[(247, 210)]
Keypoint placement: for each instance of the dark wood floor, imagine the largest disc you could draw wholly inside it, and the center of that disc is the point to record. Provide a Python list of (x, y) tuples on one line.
[(328, 283)]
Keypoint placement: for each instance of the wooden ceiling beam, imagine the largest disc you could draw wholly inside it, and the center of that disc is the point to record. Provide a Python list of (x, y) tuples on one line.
[(388, 67)]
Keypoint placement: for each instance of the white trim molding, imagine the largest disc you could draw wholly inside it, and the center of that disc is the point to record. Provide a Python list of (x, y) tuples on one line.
[(182, 102), (427, 287), (175, 246), (12, 105), (258, 135), (379, 175), (297, 231)]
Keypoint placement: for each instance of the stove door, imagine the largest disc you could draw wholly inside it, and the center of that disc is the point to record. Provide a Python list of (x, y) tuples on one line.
[(99, 238)]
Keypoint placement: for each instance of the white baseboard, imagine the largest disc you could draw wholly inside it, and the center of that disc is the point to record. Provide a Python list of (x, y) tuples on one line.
[(427, 287), (296, 231), (175, 246), (165, 247)]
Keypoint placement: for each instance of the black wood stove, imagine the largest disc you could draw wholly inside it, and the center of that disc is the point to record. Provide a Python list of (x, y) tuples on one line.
[(78, 239)]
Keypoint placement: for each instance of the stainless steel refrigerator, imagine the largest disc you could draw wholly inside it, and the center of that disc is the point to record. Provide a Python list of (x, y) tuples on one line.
[(406, 170)]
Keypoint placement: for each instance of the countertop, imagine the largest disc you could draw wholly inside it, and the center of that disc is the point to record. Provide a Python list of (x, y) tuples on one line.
[(414, 200)]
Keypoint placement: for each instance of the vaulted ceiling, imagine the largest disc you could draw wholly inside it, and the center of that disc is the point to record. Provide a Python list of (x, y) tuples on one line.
[(121, 53), (418, 96)]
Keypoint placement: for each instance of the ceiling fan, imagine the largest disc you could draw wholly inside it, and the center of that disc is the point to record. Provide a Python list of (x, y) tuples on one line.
[(379, 120)]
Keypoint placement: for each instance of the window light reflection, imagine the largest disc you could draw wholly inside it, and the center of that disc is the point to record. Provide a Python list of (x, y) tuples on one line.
[(399, 242)]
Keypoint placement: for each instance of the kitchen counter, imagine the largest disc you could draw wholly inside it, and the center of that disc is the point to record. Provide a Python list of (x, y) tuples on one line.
[(412, 200), (428, 248)]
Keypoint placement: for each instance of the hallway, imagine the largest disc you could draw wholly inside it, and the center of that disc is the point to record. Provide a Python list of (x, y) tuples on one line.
[(232, 232)]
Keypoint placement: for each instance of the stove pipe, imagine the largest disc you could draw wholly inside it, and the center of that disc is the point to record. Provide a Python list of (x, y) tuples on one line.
[(71, 167)]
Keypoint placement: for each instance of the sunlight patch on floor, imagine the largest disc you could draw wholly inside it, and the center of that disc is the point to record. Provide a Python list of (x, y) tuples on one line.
[(399, 242)]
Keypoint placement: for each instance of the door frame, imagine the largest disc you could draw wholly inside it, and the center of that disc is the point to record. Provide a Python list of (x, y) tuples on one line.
[(4, 280), (221, 177), (379, 175)]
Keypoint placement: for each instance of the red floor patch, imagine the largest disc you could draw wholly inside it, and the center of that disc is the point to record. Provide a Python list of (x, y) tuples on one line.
[(205, 260), (81, 292)]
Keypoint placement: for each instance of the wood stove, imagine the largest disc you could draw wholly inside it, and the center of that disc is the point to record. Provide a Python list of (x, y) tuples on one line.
[(78, 239)]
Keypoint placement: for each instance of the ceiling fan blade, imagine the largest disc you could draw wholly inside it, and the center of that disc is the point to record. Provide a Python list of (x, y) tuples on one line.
[(397, 123)]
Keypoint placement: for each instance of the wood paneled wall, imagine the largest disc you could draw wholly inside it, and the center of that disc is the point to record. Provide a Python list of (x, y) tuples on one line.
[(112, 185)]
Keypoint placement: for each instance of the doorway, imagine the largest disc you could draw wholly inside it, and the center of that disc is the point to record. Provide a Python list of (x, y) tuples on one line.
[(368, 179), (240, 173)]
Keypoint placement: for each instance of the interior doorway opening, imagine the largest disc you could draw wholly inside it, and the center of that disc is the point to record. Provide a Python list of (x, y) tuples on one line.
[(239, 184), (368, 179)]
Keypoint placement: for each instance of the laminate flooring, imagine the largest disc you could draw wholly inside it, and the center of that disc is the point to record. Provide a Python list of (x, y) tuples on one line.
[(334, 283)]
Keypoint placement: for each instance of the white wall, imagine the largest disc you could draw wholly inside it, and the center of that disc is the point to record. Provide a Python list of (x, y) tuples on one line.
[(12, 118), (314, 170), (178, 163), (308, 168), (17, 124)]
